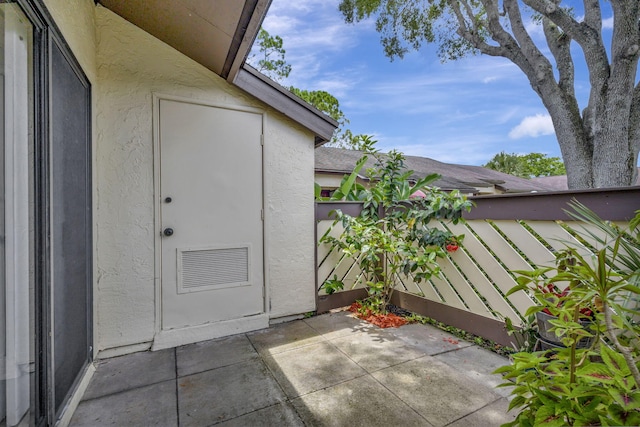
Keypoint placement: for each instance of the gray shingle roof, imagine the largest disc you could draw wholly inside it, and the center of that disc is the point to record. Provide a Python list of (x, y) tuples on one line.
[(559, 183), (453, 176)]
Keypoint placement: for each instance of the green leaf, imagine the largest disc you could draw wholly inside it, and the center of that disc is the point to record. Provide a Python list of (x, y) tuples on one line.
[(317, 190), (620, 417), (583, 390), (517, 402), (614, 361), (597, 372), (627, 400), (347, 184), (517, 288), (546, 417)]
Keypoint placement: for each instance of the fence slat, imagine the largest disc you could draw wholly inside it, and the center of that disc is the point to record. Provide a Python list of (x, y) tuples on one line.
[(333, 230), (423, 289), (556, 236), (482, 285), (496, 272), (447, 292), (524, 241), (466, 292)]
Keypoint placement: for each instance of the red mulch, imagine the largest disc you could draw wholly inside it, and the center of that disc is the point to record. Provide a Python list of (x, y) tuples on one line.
[(388, 320)]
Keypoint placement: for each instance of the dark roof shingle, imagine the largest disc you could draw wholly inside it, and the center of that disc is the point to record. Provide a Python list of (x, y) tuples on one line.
[(465, 178)]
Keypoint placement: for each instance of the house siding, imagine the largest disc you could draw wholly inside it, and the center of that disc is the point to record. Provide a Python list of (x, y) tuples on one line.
[(126, 67)]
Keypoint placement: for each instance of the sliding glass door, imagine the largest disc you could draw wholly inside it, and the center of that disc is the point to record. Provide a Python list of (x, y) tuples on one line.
[(45, 218), (17, 319)]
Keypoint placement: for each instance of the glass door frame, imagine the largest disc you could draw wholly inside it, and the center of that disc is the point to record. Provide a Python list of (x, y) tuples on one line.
[(45, 35)]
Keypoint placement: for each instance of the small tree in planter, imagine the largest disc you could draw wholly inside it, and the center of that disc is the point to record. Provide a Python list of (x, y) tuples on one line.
[(599, 384), (392, 234)]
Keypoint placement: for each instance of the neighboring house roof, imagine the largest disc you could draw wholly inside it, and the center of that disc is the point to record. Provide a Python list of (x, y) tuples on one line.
[(219, 35), (559, 183), (453, 176)]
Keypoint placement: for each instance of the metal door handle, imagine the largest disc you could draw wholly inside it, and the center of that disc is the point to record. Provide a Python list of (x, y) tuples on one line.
[(168, 232)]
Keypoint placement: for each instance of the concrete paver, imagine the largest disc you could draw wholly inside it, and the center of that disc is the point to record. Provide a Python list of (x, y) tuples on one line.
[(435, 390), (429, 339), (145, 406), (336, 325), (477, 363), (306, 369), (130, 372), (362, 402), (493, 414), (221, 394), (329, 370), (281, 414), (376, 349), (203, 356), (283, 337)]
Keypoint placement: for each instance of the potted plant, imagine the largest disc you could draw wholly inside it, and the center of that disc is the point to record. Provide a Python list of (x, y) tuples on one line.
[(594, 385), (546, 313)]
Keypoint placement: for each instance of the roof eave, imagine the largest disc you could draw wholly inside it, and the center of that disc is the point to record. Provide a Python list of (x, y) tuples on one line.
[(246, 32), (261, 87)]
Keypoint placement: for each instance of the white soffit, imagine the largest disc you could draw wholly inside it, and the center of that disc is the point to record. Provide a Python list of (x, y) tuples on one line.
[(215, 33)]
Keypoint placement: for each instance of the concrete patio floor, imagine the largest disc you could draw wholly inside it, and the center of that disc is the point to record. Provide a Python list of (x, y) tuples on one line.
[(328, 370)]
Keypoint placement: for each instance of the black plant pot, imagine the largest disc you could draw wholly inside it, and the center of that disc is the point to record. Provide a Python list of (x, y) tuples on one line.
[(550, 339)]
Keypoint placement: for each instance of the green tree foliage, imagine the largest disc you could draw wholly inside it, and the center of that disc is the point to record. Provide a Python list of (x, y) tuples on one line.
[(270, 60), (526, 165), (329, 104), (600, 142)]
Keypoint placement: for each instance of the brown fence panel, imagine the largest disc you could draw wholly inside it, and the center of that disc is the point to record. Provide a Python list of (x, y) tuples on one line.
[(503, 233)]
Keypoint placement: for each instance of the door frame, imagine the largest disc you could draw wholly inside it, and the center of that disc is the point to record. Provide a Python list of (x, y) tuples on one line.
[(46, 34), (168, 338)]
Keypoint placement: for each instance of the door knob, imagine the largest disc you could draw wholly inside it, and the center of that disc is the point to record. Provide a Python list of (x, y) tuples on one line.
[(168, 232)]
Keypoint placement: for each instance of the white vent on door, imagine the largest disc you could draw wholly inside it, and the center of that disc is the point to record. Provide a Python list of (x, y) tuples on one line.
[(213, 268)]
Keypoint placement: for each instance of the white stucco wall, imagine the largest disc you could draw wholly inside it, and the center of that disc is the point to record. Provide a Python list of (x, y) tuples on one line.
[(132, 65), (76, 20), (126, 66)]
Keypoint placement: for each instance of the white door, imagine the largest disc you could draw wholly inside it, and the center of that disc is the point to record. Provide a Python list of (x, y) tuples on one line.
[(211, 214)]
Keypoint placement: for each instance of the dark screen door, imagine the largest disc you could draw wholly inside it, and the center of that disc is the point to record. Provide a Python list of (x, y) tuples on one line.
[(71, 247)]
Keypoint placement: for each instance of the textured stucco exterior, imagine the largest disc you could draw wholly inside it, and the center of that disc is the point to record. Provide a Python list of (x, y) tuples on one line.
[(126, 68), (76, 20)]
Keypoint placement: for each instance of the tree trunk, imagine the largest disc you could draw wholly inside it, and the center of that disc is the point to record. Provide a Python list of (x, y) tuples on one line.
[(600, 147)]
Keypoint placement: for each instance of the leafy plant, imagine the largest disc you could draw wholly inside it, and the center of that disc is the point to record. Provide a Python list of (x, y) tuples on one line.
[(332, 285), (526, 335), (598, 385), (349, 189), (395, 241)]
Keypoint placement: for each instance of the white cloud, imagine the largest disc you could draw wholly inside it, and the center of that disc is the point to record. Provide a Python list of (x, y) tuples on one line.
[(533, 126), (607, 23)]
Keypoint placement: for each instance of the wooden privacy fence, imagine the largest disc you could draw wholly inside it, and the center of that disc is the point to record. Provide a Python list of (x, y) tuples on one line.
[(503, 233)]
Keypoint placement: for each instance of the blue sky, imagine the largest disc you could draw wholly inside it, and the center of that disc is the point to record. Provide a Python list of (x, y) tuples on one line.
[(460, 112)]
